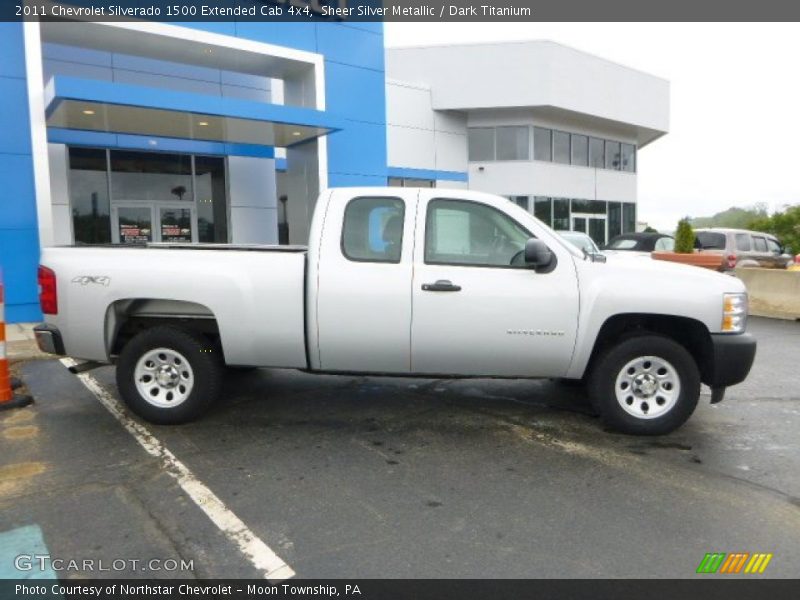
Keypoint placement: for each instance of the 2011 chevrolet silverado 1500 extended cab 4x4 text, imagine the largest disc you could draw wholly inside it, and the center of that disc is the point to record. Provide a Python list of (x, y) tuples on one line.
[(426, 282)]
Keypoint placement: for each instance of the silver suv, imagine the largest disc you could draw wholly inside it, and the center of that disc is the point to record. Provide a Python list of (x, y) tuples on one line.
[(744, 248)]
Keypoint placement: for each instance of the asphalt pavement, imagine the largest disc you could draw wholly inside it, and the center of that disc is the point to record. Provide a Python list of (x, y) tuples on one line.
[(380, 477)]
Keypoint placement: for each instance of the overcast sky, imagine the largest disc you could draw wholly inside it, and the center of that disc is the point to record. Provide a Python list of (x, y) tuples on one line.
[(734, 135)]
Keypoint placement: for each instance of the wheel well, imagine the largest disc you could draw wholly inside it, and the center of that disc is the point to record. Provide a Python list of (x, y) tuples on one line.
[(689, 333), (126, 318)]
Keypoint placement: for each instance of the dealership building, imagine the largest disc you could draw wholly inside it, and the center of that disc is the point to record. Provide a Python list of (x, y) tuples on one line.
[(133, 132)]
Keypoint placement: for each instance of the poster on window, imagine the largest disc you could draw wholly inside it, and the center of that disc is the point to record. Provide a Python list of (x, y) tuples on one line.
[(132, 233), (175, 234)]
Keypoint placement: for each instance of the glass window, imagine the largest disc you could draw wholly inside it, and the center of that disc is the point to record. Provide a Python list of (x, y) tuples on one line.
[(373, 229), (629, 158), (614, 219), (580, 150), (512, 143), (597, 207), (542, 144), (613, 160), (561, 147), (521, 201), (742, 242), (419, 183), (88, 194), (212, 203), (628, 217), (395, 182), (481, 143), (597, 153), (774, 247), (759, 244), (468, 233), (711, 240), (543, 209), (561, 214), (150, 176)]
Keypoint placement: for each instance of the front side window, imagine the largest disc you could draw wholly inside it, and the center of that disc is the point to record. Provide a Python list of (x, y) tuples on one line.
[(481, 143), (458, 232), (512, 143), (774, 247), (373, 230), (665, 244), (760, 244)]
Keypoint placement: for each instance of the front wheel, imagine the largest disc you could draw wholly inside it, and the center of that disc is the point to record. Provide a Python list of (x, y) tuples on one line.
[(645, 385), (168, 376)]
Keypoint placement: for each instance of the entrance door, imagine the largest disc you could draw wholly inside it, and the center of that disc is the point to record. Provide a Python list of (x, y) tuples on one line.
[(141, 223), (593, 225)]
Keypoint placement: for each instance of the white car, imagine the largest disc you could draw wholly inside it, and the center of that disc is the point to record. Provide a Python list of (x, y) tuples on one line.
[(400, 281)]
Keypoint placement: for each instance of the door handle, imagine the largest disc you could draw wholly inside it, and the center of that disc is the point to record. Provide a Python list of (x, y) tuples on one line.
[(441, 285)]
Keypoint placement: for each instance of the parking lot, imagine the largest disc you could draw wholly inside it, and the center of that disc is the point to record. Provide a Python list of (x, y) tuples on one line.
[(347, 476)]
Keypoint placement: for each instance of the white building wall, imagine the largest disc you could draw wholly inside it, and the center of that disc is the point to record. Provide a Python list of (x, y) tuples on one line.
[(58, 162), (419, 137)]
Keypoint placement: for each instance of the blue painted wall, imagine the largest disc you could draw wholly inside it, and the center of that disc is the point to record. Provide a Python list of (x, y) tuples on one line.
[(19, 238), (354, 68)]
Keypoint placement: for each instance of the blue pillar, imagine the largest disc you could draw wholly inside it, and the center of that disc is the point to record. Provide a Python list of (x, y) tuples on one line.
[(19, 235)]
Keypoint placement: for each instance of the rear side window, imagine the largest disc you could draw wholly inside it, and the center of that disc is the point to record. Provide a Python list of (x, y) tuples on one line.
[(711, 240), (743, 242), (373, 230), (760, 244)]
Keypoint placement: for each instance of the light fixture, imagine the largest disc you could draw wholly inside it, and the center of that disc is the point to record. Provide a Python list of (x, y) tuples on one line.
[(203, 123), (88, 112), (296, 134)]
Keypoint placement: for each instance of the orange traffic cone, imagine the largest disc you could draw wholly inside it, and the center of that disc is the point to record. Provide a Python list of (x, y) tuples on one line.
[(8, 399)]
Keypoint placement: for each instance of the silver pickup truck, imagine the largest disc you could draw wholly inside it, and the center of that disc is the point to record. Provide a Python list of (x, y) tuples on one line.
[(424, 282)]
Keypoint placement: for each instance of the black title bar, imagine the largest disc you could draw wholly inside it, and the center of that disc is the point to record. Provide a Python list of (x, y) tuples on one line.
[(400, 10)]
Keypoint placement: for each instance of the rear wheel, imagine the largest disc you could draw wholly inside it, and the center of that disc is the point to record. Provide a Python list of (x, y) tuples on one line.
[(645, 385), (168, 375)]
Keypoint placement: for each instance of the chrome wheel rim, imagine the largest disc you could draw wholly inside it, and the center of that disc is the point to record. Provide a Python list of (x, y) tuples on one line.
[(164, 377), (647, 387)]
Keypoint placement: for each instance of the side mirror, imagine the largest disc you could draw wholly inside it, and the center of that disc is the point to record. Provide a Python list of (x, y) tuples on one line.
[(537, 254)]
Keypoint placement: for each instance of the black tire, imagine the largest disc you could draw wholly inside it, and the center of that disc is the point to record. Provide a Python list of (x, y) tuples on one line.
[(603, 392), (201, 356)]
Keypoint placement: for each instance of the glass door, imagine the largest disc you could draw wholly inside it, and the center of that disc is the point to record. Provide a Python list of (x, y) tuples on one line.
[(593, 225), (177, 224), (132, 224)]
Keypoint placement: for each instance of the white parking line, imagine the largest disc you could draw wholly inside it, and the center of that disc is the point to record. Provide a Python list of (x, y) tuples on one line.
[(257, 552)]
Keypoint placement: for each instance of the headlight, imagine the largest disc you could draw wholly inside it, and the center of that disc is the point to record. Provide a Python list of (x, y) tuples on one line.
[(734, 313)]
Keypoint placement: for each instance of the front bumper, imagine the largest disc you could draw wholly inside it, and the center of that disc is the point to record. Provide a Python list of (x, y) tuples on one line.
[(733, 357), (48, 338)]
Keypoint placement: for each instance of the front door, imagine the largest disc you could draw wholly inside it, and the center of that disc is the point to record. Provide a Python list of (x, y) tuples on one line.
[(476, 314), (144, 222), (592, 225)]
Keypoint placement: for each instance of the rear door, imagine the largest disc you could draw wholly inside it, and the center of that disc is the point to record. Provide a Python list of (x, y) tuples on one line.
[(474, 313), (363, 286)]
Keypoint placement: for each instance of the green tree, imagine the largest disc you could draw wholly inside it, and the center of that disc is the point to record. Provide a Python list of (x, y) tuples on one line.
[(684, 237), (785, 225)]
